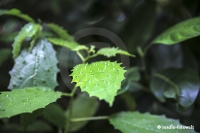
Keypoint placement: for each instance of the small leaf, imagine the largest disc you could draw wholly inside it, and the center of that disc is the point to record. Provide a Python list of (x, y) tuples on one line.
[(35, 68), (5, 53), (55, 114), (129, 122), (109, 52), (60, 31), (88, 109), (17, 13), (27, 119), (181, 85), (64, 43), (26, 100), (101, 79), (182, 31), (29, 30)]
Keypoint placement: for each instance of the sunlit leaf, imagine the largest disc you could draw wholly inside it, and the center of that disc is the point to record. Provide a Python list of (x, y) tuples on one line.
[(135, 122), (110, 52), (181, 85), (17, 13), (29, 30), (26, 100), (101, 79), (35, 68), (182, 31)]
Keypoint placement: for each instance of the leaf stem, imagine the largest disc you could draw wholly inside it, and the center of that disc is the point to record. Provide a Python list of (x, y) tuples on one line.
[(66, 94), (89, 118), (68, 123), (81, 56)]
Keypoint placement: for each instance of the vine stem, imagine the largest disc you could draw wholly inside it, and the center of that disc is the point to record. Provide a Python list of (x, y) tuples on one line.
[(89, 118), (66, 94), (81, 56), (68, 123)]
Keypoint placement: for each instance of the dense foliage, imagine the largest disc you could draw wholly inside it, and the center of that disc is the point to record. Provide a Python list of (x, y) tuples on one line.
[(108, 66)]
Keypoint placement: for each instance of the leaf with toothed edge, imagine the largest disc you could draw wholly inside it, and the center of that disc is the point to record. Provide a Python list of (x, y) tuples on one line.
[(110, 52), (26, 100), (29, 30), (129, 122), (35, 68), (101, 79), (74, 46), (60, 31), (17, 13)]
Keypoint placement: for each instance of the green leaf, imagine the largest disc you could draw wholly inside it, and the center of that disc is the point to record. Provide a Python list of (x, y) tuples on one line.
[(5, 53), (17, 13), (182, 31), (29, 30), (27, 119), (132, 74), (101, 79), (87, 109), (63, 43), (35, 68), (129, 122), (181, 85), (26, 100), (60, 31), (110, 52), (55, 114)]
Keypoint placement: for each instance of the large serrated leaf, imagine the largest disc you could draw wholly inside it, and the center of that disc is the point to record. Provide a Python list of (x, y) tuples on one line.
[(179, 85), (26, 100), (88, 109), (101, 79), (29, 30), (60, 31), (180, 32), (35, 68), (134, 122), (109, 52), (17, 13)]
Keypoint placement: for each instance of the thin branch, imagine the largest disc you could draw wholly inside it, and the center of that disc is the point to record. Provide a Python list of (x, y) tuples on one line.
[(89, 118)]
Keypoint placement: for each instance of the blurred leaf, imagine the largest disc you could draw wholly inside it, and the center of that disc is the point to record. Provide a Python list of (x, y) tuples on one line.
[(27, 119), (37, 126), (82, 107), (182, 31), (60, 31), (140, 27), (26, 100), (180, 85), (8, 37), (17, 13), (129, 122), (29, 30), (101, 79), (129, 101), (5, 53), (35, 68), (176, 56), (132, 74), (110, 52), (55, 114)]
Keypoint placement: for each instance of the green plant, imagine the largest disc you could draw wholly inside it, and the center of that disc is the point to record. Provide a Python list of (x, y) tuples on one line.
[(33, 80)]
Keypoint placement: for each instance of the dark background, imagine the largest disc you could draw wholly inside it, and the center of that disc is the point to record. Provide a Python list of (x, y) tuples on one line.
[(136, 22)]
